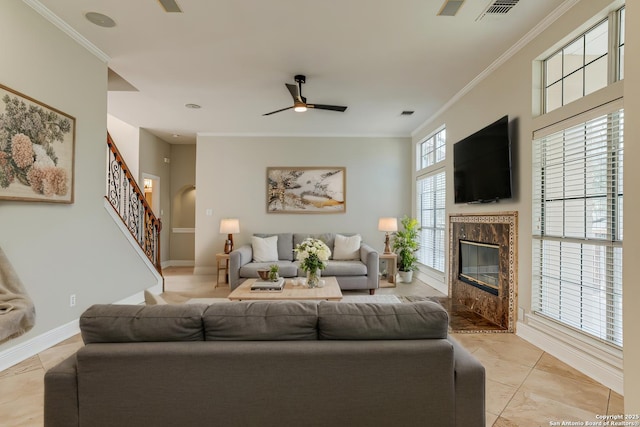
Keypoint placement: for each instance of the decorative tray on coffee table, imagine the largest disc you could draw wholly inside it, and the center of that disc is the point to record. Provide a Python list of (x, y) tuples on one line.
[(268, 285)]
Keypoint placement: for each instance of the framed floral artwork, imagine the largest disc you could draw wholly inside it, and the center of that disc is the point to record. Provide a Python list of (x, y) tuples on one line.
[(36, 150), (306, 190)]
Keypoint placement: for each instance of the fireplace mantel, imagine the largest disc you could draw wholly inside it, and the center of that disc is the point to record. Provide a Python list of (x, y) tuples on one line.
[(499, 229)]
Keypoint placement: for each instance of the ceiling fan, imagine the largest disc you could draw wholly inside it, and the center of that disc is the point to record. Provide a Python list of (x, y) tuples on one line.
[(300, 102)]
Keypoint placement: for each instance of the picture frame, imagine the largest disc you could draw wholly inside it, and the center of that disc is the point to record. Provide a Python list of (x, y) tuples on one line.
[(37, 150), (306, 190)]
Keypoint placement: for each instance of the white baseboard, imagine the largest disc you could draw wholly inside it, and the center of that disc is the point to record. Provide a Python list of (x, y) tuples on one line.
[(596, 364), (178, 263), (35, 345)]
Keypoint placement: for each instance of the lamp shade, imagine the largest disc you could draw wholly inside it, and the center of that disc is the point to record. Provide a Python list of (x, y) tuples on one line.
[(388, 224), (229, 226)]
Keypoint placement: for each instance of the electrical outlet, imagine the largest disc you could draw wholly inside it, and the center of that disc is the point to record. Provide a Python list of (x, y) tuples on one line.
[(72, 300)]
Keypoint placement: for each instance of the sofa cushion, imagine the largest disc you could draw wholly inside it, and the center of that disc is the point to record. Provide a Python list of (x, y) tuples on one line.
[(347, 247), (352, 321), (344, 268), (264, 249), (261, 321), (286, 268), (285, 245), (103, 323)]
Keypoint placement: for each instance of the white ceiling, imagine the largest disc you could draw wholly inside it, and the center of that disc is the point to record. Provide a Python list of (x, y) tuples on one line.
[(233, 58)]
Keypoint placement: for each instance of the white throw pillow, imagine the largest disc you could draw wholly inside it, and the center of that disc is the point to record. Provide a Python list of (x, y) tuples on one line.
[(347, 247), (265, 249)]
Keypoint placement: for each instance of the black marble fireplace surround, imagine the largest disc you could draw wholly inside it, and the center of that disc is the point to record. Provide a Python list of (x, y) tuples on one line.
[(493, 296)]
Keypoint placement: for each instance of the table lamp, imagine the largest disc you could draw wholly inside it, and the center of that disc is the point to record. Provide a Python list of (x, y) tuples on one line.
[(229, 226), (387, 225)]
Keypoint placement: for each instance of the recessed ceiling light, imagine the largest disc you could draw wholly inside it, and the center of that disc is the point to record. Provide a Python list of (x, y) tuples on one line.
[(194, 106), (175, 135), (100, 20)]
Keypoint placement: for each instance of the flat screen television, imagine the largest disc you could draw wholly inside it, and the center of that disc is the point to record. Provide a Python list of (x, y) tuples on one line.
[(482, 165)]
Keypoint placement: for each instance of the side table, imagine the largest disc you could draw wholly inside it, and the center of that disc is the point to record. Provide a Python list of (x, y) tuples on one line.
[(392, 261), (224, 259)]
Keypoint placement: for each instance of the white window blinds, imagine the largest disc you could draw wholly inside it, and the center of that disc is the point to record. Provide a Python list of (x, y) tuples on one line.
[(577, 223), (430, 198)]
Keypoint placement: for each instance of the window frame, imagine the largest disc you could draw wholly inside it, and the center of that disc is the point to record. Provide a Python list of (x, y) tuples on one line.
[(433, 168), (547, 280), (614, 72)]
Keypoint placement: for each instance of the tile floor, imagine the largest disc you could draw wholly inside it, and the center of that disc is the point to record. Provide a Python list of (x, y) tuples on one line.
[(525, 386)]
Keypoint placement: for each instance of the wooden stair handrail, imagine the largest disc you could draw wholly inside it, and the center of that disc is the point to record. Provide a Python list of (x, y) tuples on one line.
[(127, 199)]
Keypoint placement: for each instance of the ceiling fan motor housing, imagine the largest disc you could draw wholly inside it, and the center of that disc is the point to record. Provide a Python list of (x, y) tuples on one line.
[(300, 102)]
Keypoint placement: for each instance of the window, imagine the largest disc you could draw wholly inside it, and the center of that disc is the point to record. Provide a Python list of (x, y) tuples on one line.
[(577, 236), (582, 66), (430, 200), (431, 212), (432, 150)]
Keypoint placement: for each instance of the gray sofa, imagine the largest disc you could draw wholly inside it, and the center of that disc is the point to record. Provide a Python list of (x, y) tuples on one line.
[(351, 274), (285, 363)]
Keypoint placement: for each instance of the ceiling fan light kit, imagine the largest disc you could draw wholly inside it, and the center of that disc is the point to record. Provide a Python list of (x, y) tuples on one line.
[(300, 104)]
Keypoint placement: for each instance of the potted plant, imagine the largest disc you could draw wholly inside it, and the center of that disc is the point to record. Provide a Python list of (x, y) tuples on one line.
[(273, 273), (405, 244)]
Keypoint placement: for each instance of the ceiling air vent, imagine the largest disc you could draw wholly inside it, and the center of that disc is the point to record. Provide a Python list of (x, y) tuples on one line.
[(450, 7), (498, 8)]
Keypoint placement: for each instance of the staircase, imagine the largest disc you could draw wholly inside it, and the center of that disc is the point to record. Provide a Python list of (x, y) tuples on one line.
[(127, 199)]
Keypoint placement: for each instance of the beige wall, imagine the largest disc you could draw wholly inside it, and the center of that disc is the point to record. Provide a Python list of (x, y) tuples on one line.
[(183, 196), (231, 174), (508, 90), (153, 151), (631, 269), (127, 139), (60, 249)]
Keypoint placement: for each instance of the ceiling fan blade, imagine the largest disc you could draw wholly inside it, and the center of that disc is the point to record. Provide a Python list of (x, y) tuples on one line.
[(295, 92), (327, 107), (277, 111)]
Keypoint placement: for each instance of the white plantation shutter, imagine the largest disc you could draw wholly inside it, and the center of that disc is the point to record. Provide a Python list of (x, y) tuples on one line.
[(430, 198), (577, 222)]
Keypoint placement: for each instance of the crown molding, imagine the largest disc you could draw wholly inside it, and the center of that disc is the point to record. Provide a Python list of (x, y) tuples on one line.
[(67, 29), (301, 135), (508, 54)]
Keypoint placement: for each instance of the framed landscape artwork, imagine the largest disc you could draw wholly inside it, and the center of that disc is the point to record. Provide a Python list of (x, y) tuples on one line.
[(306, 190), (36, 150)]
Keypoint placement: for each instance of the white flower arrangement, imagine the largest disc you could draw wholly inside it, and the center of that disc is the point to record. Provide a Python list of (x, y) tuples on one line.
[(312, 254)]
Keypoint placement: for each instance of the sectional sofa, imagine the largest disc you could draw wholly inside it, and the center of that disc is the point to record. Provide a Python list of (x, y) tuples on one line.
[(356, 271), (285, 363)]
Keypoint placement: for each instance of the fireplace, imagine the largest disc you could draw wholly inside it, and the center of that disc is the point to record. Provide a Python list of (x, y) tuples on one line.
[(479, 265), (483, 266)]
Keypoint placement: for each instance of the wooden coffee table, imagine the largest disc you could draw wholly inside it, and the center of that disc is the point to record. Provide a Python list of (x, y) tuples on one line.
[(330, 291)]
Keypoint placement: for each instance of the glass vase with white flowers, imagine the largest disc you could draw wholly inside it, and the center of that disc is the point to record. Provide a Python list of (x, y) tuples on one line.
[(313, 255)]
